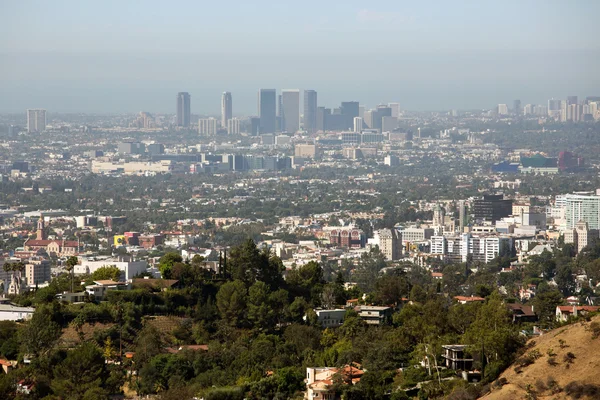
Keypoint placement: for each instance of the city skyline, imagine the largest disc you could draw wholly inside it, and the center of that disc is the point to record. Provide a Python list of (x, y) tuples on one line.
[(127, 58)]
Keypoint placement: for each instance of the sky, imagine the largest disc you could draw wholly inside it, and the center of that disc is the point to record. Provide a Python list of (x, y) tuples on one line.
[(128, 56)]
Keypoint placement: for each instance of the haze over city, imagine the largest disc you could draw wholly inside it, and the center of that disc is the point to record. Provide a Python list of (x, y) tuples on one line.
[(114, 57)]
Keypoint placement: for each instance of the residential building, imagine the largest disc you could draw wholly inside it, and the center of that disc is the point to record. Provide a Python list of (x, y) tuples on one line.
[(413, 234), (564, 313), (100, 288), (331, 318), (207, 126), (481, 248), (320, 385), (233, 126), (390, 243), (502, 109), (226, 109), (580, 236), (358, 124), (582, 207), (267, 110), (37, 271), (375, 315), (10, 312), (290, 110), (391, 161), (310, 111), (183, 109), (457, 358), (36, 120)]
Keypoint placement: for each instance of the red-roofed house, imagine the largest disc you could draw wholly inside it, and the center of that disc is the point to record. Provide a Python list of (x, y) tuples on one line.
[(319, 381)]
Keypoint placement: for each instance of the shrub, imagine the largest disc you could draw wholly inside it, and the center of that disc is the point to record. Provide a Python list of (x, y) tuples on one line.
[(595, 329), (562, 343), (540, 385), (569, 357), (552, 361), (578, 390), (553, 385), (550, 352)]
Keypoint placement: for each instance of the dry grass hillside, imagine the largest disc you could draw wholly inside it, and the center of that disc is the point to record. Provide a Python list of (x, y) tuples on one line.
[(562, 364)]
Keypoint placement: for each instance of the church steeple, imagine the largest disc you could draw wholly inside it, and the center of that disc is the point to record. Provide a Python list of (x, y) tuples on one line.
[(41, 232)]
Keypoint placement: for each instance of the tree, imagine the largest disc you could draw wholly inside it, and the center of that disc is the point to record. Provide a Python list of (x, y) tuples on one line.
[(81, 371), (231, 301), (70, 267), (564, 279), (390, 289), (107, 272), (40, 333), (368, 269), (248, 264), (166, 262), (259, 310), (545, 304), (147, 345)]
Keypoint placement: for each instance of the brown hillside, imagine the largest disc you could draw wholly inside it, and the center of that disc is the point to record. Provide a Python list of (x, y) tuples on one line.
[(542, 380)]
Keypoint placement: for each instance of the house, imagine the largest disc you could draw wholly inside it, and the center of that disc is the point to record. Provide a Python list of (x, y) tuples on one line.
[(99, 289), (25, 386), (319, 381), (157, 285), (78, 297), (437, 275), (375, 315), (351, 303), (521, 313), (457, 358), (331, 318), (10, 312), (563, 313), (573, 300), (470, 299), (527, 292)]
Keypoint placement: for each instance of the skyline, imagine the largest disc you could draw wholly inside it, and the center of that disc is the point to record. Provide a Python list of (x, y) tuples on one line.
[(133, 56)]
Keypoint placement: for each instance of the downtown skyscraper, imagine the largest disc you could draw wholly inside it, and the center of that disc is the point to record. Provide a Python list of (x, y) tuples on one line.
[(290, 110), (183, 109), (226, 108), (310, 111), (267, 110)]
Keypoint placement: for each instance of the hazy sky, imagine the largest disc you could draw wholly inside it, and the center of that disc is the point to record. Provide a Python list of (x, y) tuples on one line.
[(128, 56)]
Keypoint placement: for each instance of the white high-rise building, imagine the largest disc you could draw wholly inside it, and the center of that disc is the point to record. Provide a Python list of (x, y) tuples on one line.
[(233, 126), (290, 110), (36, 120), (502, 109), (207, 126), (585, 208), (226, 108), (528, 109), (358, 124)]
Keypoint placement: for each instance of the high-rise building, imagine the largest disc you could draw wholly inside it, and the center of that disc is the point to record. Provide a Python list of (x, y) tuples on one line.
[(207, 126), (267, 110), (528, 109), (395, 109), (350, 110), (226, 108), (254, 126), (390, 243), (310, 111), (581, 235), (517, 107), (322, 114), (461, 216), (571, 100), (358, 124), (491, 208), (233, 126), (290, 110), (183, 109), (388, 124), (502, 109), (582, 207), (378, 114), (36, 120)]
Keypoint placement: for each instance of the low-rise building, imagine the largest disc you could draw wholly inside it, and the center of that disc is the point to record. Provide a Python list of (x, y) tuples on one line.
[(10, 312), (375, 315)]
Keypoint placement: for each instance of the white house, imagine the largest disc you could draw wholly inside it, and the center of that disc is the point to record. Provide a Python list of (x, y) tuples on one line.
[(10, 312)]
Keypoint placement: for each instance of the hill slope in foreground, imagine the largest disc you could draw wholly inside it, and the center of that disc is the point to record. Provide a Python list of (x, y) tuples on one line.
[(561, 364)]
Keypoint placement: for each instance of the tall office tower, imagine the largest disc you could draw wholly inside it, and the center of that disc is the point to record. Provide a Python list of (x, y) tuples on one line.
[(36, 120), (553, 106), (517, 107), (502, 109), (290, 110), (368, 119), (267, 110), (395, 109), (183, 109), (349, 110), (233, 126), (378, 114), (226, 108), (580, 207), (322, 117), (358, 124), (571, 100), (492, 208), (254, 126), (207, 126), (361, 111), (461, 216), (528, 109), (310, 111)]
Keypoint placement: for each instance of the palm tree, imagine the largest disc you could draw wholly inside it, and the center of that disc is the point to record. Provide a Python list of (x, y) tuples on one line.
[(70, 266)]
